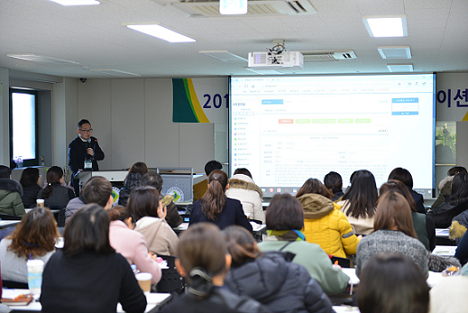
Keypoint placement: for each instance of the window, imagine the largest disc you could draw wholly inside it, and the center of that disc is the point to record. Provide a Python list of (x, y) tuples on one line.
[(23, 126)]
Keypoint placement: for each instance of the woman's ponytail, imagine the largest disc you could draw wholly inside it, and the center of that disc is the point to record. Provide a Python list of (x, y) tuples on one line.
[(214, 199)]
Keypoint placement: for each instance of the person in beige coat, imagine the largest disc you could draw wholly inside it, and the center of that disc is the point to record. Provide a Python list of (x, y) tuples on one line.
[(150, 220), (243, 188)]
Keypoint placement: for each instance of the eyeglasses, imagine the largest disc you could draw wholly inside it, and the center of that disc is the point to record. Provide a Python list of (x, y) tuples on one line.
[(87, 130)]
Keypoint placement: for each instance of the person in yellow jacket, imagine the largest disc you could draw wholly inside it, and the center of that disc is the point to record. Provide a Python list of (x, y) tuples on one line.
[(324, 223)]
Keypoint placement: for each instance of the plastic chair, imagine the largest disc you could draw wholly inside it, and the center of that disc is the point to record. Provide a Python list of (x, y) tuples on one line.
[(171, 281)]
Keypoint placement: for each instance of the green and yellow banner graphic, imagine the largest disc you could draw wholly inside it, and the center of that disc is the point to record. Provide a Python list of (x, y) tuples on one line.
[(199, 100)]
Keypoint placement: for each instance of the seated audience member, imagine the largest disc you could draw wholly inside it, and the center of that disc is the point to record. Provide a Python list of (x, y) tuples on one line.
[(334, 182), (455, 204), (445, 185), (96, 190), (284, 221), (243, 188), (324, 223), (392, 283), (422, 223), (449, 295), (30, 181), (216, 208), (55, 195), (10, 194), (204, 261), (462, 250), (155, 180), (130, 243), (460, 222), (394, 232), (150, 220), (200, 188), (405, 177), (33, 238), (359, 202), (87, 275), (269, 278), (132, 180)]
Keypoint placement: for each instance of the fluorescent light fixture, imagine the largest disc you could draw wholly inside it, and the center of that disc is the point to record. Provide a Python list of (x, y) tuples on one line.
[(394, 26), (222, 55), (233, 7), (41, 59), (76, 2), (394, 52), (161, 32), (400, 67), (115, 72)]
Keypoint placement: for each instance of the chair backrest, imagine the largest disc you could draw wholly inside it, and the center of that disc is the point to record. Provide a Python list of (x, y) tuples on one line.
[(10, 217), (346, 263), (171, 281), (14, 284)]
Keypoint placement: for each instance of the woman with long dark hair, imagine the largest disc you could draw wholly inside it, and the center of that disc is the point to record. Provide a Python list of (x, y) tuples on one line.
[(33, 238), (455, 204), (132, 180), (216, 208), (394, 232), (30, 181), (270, 278), (405, 177), (54, 194), (87, 275), (359, 202), (422, 223)]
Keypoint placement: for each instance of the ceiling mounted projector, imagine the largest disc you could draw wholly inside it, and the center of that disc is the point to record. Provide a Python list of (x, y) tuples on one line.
[(285, 59), (276, 57)]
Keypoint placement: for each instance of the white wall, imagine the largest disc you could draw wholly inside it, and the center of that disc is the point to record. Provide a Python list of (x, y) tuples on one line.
[(4, 118), (132, 119)]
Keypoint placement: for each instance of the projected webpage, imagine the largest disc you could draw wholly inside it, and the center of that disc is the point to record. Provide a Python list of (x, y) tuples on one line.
[(288, 129)]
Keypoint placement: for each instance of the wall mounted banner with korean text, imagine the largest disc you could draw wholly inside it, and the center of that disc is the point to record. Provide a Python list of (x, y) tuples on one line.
[(452, 97), (200, 100)]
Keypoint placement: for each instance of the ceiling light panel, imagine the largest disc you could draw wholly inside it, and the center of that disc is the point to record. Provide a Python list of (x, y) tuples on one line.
[(394, 52), (400, 67), (389, 26), (161, 32), (42, 59), (76, 2)]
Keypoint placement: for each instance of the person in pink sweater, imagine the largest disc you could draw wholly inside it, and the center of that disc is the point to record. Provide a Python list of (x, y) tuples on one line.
[(130, 243)]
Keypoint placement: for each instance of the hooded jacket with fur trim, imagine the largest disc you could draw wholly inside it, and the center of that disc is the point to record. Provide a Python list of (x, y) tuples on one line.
[(327, 226), (10, 197), (243, 188)]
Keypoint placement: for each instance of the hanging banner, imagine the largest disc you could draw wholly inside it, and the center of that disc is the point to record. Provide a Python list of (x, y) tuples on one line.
[(452, 97), (200, 100)]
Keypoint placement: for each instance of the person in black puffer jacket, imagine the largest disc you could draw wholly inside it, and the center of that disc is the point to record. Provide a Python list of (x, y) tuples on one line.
[(270, 278), (132, 180), (455, 204)]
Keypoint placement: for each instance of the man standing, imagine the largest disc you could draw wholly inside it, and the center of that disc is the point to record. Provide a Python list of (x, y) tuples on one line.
[(84, 152)]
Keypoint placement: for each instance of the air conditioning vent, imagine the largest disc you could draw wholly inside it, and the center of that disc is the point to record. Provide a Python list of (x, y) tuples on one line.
[(210, 8), (321, 56)]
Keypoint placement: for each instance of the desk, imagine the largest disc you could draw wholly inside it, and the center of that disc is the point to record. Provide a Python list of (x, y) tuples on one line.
[(433, 279), (445, 250), (154, 301), (53, 211), (7, 223)]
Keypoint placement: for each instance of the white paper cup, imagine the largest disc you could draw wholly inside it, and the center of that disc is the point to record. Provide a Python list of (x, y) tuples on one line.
[(40, 202), (144, 280), (35, 268)]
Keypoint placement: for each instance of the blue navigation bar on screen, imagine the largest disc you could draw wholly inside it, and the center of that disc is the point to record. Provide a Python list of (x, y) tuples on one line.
[(273, 101)]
